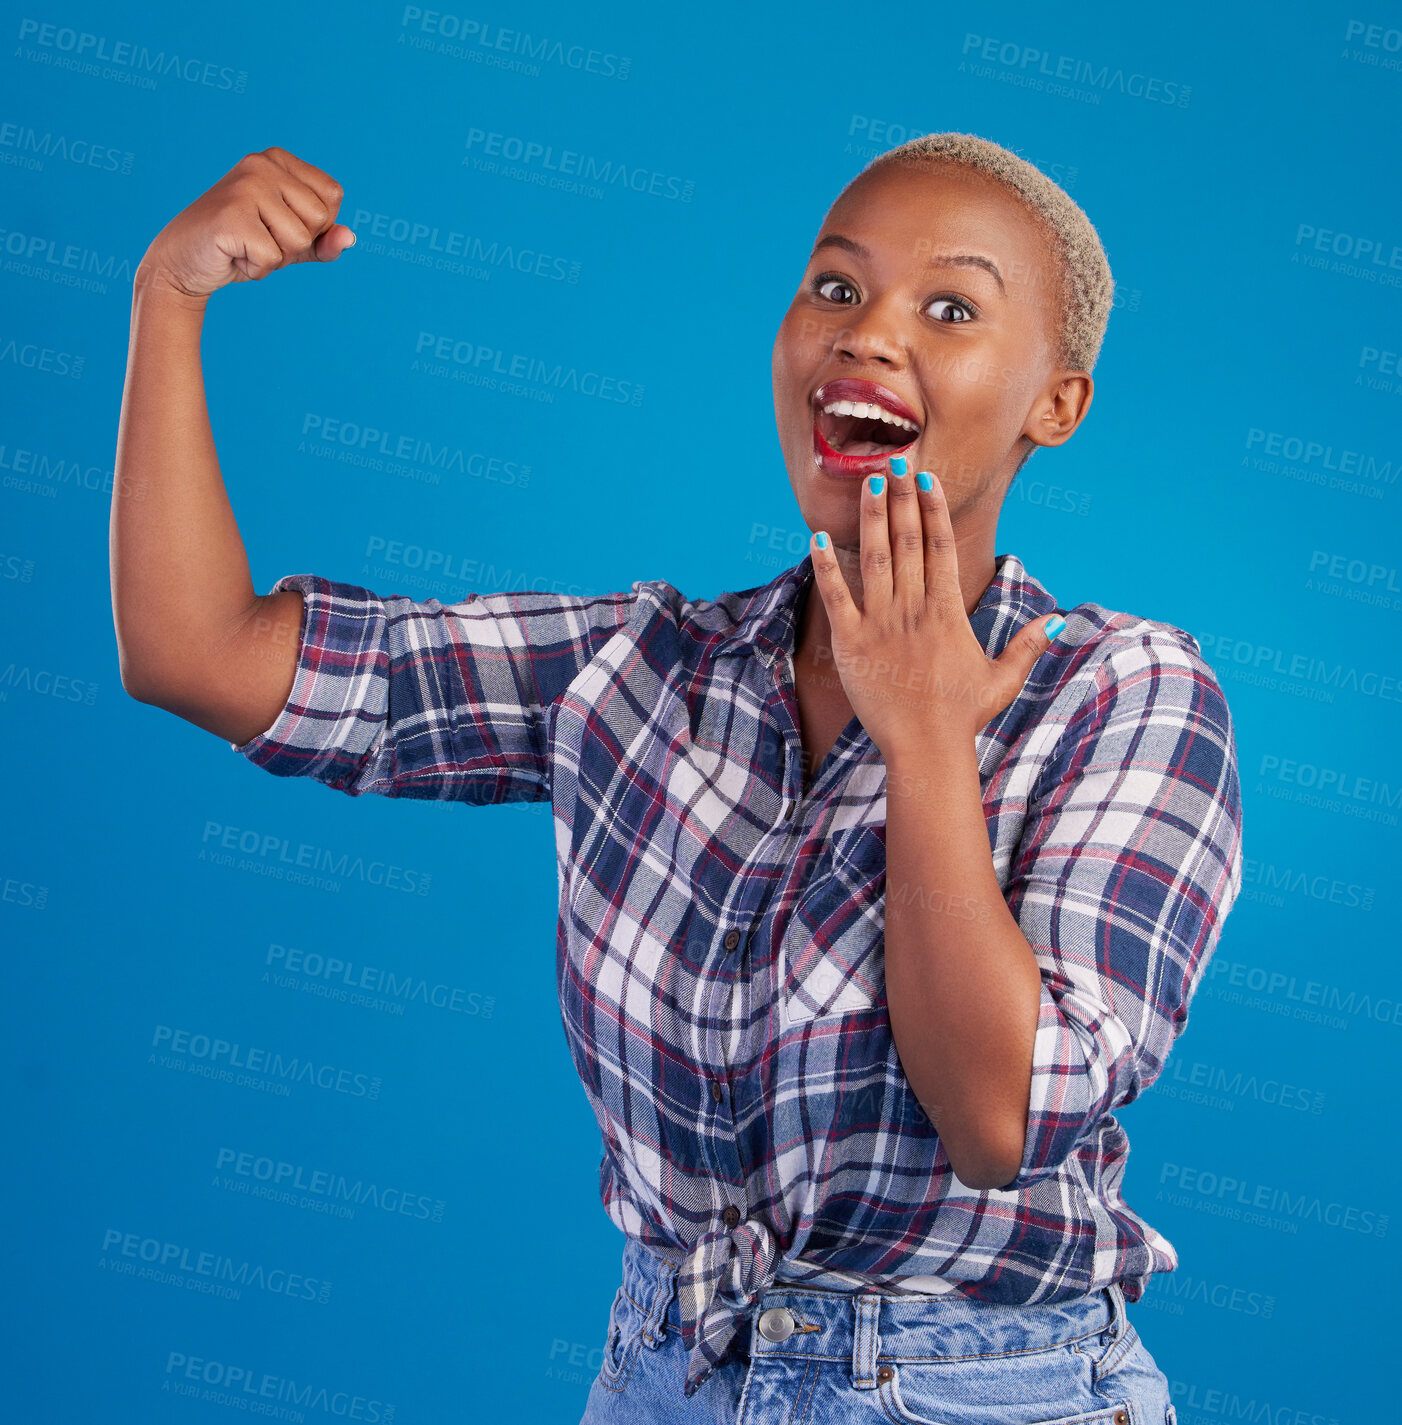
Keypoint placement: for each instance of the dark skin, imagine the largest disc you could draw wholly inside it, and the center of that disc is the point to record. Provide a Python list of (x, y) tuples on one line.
[(985, 388), (977, 359)]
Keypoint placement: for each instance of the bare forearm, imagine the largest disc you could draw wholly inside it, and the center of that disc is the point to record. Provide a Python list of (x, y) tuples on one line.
[(180, 576), (962, 984)]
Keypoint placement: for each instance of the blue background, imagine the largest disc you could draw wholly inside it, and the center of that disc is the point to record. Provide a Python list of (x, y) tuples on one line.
[(1244, 443)]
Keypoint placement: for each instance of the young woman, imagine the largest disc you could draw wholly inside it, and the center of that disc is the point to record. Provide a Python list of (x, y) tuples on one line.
[(881, 885)]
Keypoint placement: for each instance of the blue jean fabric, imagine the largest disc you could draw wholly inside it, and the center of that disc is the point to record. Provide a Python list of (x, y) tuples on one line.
[(868, 1356)]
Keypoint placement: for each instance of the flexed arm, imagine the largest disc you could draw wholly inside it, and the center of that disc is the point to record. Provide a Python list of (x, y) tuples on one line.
[(193, 637)]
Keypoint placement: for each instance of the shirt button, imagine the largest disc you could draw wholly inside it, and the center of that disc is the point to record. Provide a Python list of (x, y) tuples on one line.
[(716, 1092), (731, 1215), (732, 939)]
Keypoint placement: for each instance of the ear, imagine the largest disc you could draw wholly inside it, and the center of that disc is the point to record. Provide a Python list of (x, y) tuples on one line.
[(1059, 408)]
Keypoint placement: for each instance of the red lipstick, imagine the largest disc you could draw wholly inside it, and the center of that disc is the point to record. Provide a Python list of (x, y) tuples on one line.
[(874, 460)]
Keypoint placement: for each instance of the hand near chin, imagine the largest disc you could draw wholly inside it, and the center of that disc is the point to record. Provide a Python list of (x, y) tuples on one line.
[(909, 660)]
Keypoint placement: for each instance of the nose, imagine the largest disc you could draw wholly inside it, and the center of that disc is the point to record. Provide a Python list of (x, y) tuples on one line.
[(870, 334)]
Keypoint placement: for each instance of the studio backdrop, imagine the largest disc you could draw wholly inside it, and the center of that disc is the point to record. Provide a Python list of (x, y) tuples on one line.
[(291, 1126)]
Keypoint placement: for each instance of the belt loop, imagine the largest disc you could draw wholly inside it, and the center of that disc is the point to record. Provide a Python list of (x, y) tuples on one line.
[(655, 1323), (1118, 1318), (1118, 1336), (866, 1341)]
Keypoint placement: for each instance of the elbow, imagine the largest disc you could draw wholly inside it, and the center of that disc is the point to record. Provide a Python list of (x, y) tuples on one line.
[(136, 687), (985, 1174), (138, 683), (989, 1162)]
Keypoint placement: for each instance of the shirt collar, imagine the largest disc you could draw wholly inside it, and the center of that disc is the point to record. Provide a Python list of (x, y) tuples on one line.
[(767, 618)]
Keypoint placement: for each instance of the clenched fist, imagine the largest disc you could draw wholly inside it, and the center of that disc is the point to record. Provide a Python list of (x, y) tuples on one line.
[(270, 209)]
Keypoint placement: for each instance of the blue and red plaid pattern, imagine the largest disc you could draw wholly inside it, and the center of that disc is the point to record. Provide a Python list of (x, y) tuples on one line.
[(720, 940)]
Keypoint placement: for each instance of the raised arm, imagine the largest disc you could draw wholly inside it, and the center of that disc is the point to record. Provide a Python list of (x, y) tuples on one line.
[(193, 636)]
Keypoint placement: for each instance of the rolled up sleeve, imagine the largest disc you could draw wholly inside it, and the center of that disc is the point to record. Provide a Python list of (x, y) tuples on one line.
[(422, 699), (1129, 862)]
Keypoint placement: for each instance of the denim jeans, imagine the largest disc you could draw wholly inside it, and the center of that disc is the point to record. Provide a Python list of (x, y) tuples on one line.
[(869, 1356)]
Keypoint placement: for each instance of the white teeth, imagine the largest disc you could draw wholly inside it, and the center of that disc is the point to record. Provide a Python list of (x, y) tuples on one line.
[(868, 411)]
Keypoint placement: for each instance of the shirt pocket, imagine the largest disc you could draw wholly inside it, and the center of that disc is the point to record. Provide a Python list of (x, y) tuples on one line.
[(832, 952)]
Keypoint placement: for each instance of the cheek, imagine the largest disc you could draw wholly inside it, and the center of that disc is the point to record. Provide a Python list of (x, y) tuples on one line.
[(977, 394), (807, 339)]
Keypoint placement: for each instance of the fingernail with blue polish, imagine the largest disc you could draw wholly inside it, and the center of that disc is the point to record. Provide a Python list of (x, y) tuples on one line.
[(822, 539), (924, 481), (1053, 626), (898, 465), (878, 484)]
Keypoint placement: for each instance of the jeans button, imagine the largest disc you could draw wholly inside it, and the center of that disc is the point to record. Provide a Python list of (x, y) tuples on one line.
[(776, 1324)]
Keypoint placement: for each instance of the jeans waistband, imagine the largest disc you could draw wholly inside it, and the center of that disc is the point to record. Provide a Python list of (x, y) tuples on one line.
[(865, 1327)]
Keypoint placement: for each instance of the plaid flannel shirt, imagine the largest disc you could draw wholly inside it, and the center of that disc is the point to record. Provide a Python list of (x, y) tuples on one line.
[(720, 935)]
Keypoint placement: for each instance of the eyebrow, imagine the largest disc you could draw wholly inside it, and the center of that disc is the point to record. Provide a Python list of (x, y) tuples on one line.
[(943, 259)]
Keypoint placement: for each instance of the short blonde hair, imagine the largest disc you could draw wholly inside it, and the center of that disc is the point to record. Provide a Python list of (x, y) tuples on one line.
[(1087, 288)]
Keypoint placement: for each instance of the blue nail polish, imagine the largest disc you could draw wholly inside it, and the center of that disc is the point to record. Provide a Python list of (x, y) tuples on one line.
[(822, 539), (1054, 625), (878, 484), (924, 481), (898, 465)]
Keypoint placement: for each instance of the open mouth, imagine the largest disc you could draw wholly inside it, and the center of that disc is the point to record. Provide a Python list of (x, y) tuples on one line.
[(858, 424)]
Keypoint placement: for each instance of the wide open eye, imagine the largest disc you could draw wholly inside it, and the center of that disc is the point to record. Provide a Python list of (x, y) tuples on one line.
[(825, 280), (956, 304)]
